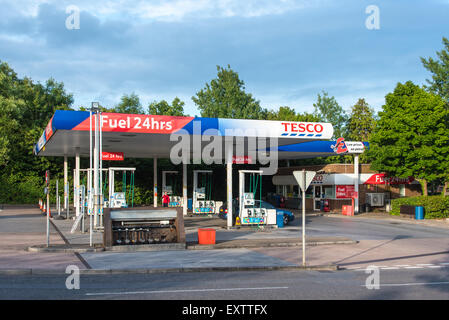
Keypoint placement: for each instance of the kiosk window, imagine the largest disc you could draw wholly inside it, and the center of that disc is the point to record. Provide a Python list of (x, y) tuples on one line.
[(309, 192), (329, 192)]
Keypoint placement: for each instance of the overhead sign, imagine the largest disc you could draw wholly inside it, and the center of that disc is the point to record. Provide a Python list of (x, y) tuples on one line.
[(304, 178), (112, 156), (382, 178), (242, 159), (344, 147), (137, 123)]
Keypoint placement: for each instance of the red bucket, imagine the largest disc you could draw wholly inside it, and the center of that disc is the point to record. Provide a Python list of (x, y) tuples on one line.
[(206, 236)]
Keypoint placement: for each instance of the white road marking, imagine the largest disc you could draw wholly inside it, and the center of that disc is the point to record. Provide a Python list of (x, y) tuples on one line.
[(182, 290), (410, 284), (402, 265)]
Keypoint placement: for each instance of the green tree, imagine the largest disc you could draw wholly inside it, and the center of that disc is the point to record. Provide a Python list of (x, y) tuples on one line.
[(361, 121), (164, 108), (25, 109), (129, 104), (411, 136), (327, 109), (286, 113), (225, 97), (439, 68)]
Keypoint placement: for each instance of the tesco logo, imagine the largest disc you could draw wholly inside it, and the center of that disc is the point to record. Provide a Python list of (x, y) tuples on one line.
[(303, 127)]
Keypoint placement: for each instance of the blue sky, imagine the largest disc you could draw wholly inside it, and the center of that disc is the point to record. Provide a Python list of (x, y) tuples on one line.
[(286, 51)]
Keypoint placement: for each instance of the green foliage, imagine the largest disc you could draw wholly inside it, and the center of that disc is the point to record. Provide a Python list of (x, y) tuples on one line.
[(361, 121), (225, 97), (163, 108), (142, 196), (21, 189), (411, 137), (286, 113), (440, 72), (129, 104), (327, 109), (25, 109), (435, 207)]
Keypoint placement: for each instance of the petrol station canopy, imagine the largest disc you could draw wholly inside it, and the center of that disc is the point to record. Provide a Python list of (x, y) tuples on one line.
[(149, 136)]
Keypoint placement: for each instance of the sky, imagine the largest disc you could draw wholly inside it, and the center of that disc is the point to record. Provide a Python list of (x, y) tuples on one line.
[(286, 51)]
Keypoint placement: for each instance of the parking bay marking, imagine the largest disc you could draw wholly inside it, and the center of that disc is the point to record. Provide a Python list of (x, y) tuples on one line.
[(182, 291)]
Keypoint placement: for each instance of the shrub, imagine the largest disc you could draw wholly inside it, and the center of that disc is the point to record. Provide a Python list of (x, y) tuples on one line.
[(435, 207)]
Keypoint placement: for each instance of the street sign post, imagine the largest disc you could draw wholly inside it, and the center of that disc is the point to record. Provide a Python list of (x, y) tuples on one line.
[(304, 178), (47, 183)]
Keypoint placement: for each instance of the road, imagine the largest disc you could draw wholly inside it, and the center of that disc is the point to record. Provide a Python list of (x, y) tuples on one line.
[(394, 284), (413, 261)]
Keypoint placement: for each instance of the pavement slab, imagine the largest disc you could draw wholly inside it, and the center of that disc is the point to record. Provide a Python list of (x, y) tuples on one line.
[(182, 259)]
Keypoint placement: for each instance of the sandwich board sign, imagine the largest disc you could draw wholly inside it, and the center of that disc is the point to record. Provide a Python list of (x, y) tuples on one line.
[(304, 178)]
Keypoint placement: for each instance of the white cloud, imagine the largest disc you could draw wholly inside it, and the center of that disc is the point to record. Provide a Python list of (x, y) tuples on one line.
[(169, 10)]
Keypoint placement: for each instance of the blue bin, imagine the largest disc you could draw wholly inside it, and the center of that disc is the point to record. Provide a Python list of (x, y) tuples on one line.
[(280, 220), (189, 204), (419, 213)]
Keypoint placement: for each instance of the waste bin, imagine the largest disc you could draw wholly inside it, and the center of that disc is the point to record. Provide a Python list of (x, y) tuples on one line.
[(206, 236), (419, 213), (189, 204), (280, 220)]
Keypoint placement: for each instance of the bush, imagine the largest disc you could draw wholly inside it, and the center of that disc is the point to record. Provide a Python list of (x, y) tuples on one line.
[(21, 189), (435, 207)]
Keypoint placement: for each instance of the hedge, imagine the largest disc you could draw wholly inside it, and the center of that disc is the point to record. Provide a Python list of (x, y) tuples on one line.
[(435, 207)]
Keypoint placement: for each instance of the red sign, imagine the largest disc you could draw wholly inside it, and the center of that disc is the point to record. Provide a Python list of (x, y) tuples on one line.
[(49, 129), (138, 123), (344, 192), (381, 178), (242, 159), (112, 156), (340, 146)]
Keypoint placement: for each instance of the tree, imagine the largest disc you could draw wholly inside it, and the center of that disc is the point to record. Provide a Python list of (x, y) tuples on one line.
[(25, 109), (225, 97), (129, 104), (440, 72), (361, 121), (411, 137), (163, 108), (286, 113), (328, 110)]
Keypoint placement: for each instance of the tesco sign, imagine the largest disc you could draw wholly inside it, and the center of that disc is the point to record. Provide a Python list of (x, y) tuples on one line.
[(302, 127)]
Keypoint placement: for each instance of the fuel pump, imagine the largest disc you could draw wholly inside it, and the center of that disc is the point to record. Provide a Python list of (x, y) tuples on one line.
[(252, 212), (202, 190), (170, 185), (125, 198)]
